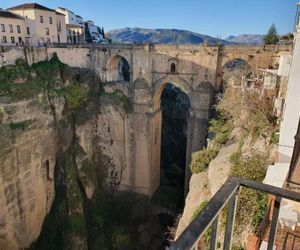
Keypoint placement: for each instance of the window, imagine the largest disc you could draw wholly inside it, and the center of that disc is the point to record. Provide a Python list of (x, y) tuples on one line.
[(41, 19), (28, 31), (20, 40), (2, 27), (50, 20), (173, 68), (47, 32), (4, 40), (59, 26), (18, 29), (12, 39), (11, 29)]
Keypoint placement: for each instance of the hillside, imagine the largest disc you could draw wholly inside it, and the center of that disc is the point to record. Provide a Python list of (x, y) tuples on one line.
[(246, 39), (164, 36)]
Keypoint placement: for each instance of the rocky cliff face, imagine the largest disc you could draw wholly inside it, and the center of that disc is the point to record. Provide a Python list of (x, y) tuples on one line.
[(242, 144), (27, 160), (204, 185), (61, 155)]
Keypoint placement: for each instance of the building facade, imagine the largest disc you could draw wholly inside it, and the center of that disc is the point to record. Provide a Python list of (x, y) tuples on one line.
[(12, 29), (291, 115), (75, 34), (74, 25), (43, 25), (96, 32)]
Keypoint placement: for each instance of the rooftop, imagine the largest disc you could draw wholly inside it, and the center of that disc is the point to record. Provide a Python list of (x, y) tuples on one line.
[(74, 26), (8, 14), (29, 6), (58, 13), (64, 9)]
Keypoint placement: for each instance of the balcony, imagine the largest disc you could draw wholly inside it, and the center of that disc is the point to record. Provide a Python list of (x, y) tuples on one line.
[(208, 219)]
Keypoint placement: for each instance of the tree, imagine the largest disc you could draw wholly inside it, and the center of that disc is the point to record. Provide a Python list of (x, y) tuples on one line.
[(272, 36), (103, 33), (87, 33)]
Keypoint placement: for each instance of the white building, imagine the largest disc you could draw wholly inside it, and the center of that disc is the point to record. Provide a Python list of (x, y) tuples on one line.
[(74, 24), (43, 25), (291, 115), (70, 16), (96, 32)]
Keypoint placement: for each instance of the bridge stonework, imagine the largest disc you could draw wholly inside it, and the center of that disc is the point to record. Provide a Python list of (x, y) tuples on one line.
[(195, 69)]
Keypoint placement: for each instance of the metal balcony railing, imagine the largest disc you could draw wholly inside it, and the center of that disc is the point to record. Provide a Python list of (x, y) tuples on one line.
[(287, 239), (209, 215)]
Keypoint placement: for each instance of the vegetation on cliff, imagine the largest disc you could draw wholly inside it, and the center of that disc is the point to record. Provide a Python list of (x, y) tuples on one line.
[(21, 81), (243, 117), (76, 220), (253, 116)]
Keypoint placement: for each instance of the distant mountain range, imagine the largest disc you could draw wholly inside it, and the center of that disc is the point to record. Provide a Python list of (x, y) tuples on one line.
[(246, 39), (175, 36)]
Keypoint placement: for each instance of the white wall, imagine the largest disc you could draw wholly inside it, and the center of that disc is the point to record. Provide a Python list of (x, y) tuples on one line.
[(292, 107), (284, 65)]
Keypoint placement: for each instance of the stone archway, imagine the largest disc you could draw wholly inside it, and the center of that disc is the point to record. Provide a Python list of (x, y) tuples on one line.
[(234, 72), (118, 69), (200, 102), (160, 84)]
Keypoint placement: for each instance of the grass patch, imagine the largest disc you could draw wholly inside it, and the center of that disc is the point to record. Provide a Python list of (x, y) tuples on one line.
[(252, 204), (199, 209), (201, 159)]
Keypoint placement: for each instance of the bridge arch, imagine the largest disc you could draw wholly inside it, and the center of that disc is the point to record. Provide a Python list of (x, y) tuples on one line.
[(160, 85), (118, 69), (235, 71)]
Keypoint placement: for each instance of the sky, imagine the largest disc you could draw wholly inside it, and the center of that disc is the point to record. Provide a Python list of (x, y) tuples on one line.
[(211, 17)]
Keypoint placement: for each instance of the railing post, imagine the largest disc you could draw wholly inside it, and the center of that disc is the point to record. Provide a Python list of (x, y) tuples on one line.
[(214, 233), (274, 223), (230, 220)]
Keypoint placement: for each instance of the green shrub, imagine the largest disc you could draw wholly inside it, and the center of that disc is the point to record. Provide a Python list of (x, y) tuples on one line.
[(21, 81), (201, 159), (274, 138), (18, 125), (252, 204), (49, 70), (221, 128), (75, 96)]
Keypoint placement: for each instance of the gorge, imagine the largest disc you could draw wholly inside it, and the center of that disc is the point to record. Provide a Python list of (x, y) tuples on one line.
[(85, 134)]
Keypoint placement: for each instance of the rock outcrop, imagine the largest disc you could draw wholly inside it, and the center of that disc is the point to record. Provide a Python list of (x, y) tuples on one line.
[(204, 185)]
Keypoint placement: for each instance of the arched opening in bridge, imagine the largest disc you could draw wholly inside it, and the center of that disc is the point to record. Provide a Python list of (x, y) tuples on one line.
[(175, 105), (118, 69), (236, 73)]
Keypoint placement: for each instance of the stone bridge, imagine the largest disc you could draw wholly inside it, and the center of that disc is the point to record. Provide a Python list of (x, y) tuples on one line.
[(144, 71)]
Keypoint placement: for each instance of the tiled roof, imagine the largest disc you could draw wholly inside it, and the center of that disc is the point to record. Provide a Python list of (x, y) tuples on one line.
[(30, 6), (8, 14)]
